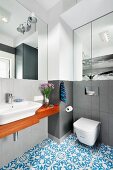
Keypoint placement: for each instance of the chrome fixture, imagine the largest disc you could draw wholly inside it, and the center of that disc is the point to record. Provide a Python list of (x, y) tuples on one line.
[(9, 98), (15, 136), (89, 92), (22, 28), (27, 26), (92, 91), (32, 18)]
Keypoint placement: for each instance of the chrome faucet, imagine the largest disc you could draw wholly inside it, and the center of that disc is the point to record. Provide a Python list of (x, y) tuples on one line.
[(9, 98)]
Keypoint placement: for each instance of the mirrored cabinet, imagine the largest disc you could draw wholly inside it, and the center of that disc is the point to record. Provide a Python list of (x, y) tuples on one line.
[(93, 50), (23, 43), (82, 52)]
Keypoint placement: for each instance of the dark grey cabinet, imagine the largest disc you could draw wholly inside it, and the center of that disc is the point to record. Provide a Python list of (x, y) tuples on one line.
[(26, 62)]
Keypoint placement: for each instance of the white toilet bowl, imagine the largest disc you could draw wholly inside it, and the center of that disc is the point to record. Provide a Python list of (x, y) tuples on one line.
[(87, 130)]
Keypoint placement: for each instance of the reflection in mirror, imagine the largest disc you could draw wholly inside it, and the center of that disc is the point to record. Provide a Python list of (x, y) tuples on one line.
[(7, 63), (21, 37), (82, 53), (102, 51)]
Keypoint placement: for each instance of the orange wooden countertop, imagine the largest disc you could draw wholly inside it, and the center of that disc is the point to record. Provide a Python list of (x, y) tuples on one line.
[(16, 126)]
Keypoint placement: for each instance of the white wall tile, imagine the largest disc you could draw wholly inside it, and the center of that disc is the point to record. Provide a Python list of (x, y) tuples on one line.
[(26, 89), (7, 86)]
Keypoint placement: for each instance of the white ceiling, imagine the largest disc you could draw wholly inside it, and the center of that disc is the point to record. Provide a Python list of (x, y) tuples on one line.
[(18, 15), (47, 4), (31, 40)]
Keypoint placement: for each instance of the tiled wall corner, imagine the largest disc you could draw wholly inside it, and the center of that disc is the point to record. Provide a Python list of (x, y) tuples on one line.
[(61, 123)]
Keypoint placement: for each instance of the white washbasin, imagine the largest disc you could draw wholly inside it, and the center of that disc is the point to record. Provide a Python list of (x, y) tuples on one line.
[(17, 110)]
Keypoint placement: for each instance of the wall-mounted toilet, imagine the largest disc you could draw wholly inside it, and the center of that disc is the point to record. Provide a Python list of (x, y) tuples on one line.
[(87, 130)]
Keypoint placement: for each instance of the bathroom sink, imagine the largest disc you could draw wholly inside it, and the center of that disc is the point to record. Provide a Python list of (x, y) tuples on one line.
[(17, 110)]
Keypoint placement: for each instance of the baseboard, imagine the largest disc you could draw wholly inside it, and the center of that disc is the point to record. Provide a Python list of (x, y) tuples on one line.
[(53, 138), (61, 139)]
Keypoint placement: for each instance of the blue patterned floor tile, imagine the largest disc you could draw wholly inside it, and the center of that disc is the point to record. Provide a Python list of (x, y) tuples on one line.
[(69, 155), (63, 165)]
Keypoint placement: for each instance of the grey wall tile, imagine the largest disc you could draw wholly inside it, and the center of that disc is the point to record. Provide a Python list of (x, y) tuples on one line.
[(95, 107), (54, 125), (104, 96), (110, 129), (76, 94), (66, 122), (95, 100), (75, 116), (54, 97), (104, 127), (66, 119), (54, 121), (95, 115), (81, 102), (87, 83), (84, 101), (85, 114), (78, 113), (110, 88)]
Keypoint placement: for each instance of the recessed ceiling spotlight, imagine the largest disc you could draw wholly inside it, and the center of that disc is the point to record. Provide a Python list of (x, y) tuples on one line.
[(4, 19), (105, 36), (4, 15)]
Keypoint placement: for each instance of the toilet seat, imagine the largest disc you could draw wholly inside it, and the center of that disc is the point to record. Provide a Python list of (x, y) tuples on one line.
[(86, 125)]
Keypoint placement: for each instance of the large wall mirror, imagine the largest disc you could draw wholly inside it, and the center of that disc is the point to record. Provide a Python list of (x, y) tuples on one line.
[(23, 43), (82, 52), (95, 52), (102, 48)]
